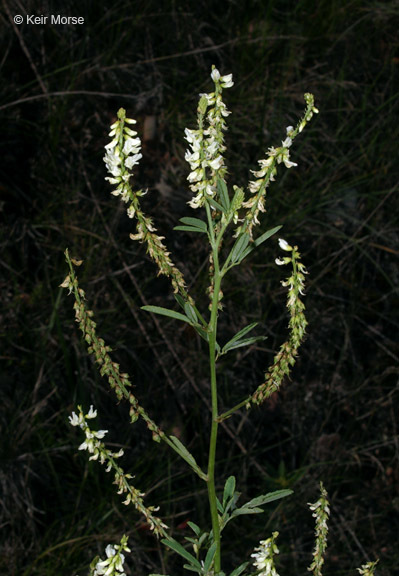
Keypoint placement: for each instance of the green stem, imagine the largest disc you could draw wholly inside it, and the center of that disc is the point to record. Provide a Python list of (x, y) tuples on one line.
[(234, 409), (214, 427)]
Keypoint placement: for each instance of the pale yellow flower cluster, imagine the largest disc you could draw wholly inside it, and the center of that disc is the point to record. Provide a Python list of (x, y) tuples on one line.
[(368, 569), (99, 452), (92, 443), (113, 565), (206, 143), (286, 356), (321, 512), (119, 381), (122, 153), (264, 556)]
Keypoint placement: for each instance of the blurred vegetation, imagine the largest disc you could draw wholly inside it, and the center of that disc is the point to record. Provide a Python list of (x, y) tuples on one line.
[(337, 419)]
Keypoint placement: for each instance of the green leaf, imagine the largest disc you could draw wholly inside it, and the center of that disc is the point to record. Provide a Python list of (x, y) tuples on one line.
[(190, 312), (189, 229), (244, 254), (202, 332), (237, 341), (219, 506), (266, 235), (229, 489), (223, 194), (270, 497), (215, 204), (195, 528), (239, 247), (182, 552), (202, 539), (253, 506), (209, 557), (192, 568), (231, 505), (166, 312), (242, 332), (240, 343), (182, 450), (239, 257), (245, 510), (239, 570), (179, 300), (195, 222)]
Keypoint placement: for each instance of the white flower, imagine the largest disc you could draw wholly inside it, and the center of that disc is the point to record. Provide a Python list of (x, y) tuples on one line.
[(210, 98), (289, 164), (284, 156), (216, 163), (110, 551), (131, 161), (113, 162), (74, 420), (91, 413), (131, 145), (227, 81), (113, 142), (284, 245), (280, 261), (195, 176), (193, 158), (215, 75), (212, 147), (192, 136), (84, 446)]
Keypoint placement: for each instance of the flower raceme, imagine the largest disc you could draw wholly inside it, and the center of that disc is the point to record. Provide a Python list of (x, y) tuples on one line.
[(113, 565), (92, 443), (264, 556), (286, 357), (206, 143), (321, 512), (268, 171), (122, 153), (99, 452)]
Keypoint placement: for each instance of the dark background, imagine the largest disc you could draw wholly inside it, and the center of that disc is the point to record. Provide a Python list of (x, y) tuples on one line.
[(336, 419)]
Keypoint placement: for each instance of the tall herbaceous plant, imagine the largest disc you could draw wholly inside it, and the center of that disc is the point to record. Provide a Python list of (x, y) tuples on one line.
[(229, 218)]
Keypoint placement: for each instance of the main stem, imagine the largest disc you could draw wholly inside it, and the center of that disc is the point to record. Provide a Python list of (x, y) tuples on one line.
[(215, 415)]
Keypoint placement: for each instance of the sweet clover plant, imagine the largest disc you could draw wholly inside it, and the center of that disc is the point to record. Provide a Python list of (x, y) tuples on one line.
[(229, 218)]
